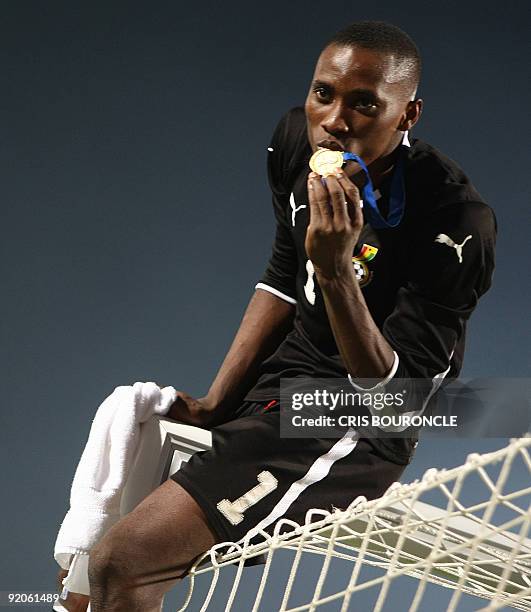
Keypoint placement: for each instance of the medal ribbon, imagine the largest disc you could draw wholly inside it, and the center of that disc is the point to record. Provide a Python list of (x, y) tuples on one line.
[(397, 197)]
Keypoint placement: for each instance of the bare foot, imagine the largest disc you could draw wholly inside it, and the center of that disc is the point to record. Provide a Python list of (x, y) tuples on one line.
[(75, 602)]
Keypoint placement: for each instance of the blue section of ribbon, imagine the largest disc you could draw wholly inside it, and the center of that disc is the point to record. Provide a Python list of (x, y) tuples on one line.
[(397, 196)]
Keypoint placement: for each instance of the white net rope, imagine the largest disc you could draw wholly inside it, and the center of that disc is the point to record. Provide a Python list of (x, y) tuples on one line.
[(478, 548)]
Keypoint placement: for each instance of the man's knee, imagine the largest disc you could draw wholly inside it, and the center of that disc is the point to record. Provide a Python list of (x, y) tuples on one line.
[(118, 582), (119, 559), (156, 543), (108, 563), (127, 556)]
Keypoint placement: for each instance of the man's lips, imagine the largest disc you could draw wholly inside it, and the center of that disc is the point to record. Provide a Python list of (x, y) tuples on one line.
[(333, 145), (352, 169)]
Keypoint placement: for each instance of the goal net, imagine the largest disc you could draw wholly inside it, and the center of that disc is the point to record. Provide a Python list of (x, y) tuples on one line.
[(432, 531)]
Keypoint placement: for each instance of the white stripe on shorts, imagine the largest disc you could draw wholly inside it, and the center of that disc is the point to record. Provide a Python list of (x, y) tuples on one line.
[(319, 470)]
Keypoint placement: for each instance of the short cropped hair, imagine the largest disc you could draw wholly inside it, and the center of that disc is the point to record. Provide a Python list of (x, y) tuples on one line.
[(386, 38)]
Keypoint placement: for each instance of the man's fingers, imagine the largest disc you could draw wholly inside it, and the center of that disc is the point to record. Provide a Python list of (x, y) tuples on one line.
[(180, 408), (315, 213), (318, 198), (75, 602), (353, 197), (334, 198), (339, 202)]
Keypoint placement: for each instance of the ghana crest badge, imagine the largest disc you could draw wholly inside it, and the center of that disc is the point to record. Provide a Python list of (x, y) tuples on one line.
[(363, 274)]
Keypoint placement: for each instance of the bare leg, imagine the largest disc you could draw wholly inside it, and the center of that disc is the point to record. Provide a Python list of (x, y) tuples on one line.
[(141, 557)]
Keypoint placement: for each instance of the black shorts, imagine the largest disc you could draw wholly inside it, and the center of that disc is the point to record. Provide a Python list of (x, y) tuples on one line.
[(252, 477)]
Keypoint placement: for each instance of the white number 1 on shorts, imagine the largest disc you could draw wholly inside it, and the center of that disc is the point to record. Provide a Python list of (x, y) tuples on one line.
[(233, 511)]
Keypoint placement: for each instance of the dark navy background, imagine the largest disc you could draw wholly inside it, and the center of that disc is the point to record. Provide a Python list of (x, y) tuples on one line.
[(136, 214)]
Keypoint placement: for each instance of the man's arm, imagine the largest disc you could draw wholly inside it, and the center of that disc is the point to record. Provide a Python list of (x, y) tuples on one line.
[(269, 315), (364, 350), (419, 337), (335, 225), (265, 324)]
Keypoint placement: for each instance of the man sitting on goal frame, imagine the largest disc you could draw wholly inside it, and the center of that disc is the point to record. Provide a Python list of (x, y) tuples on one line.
[(321, 310)]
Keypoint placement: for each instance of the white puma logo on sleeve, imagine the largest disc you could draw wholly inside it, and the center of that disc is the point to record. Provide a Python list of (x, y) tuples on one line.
[(444, 239), (294, 208)]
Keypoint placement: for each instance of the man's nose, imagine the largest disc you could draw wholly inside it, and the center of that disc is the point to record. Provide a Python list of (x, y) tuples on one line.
[(335, 123)]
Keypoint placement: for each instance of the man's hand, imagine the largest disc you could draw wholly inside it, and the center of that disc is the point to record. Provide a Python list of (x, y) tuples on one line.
[(192, 411), (336, 221), (75, 602)]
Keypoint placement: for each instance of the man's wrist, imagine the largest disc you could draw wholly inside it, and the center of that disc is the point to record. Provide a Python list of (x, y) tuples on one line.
[(209, 402), (342, 278)]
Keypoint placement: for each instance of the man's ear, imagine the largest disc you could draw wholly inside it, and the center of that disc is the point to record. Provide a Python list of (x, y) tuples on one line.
[(411, 115)]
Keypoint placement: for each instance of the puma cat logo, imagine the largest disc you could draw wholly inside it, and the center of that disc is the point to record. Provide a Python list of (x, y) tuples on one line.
[(444, 239)]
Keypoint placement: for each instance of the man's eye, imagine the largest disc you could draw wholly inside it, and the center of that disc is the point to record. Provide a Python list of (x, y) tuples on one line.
[(321, 93), (365, 104)]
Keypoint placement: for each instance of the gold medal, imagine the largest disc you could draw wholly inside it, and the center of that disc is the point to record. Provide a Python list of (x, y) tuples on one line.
[(326, 162)]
